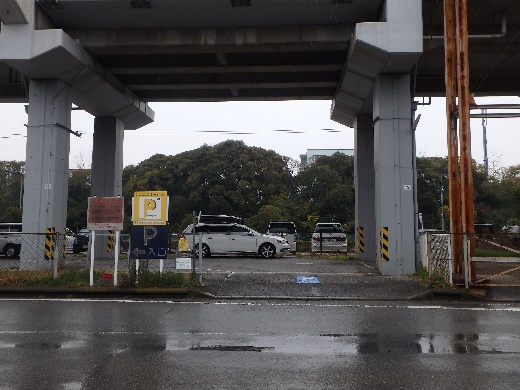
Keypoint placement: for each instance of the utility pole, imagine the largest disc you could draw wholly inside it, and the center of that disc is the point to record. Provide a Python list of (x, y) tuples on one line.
[(453, 146), (457, 86), (484, 136)]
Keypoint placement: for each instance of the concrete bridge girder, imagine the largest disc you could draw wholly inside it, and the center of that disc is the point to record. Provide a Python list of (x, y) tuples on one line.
[(53, 55)]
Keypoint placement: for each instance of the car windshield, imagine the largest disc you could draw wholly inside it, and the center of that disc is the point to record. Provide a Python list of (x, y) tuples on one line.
[(281, 227), (329, 229)]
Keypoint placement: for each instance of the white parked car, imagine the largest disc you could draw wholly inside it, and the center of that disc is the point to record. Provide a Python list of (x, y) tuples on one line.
[(224, 238), (10, 241), (330, 237)]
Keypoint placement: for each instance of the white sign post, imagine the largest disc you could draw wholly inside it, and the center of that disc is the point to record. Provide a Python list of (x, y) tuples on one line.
[(92, 240), (104, 213)]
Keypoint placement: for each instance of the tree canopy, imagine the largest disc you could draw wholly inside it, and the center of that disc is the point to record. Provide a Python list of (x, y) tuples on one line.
[(260, 186)]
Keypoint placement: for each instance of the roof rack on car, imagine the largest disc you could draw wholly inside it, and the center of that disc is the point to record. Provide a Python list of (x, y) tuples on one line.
[(212, 218)]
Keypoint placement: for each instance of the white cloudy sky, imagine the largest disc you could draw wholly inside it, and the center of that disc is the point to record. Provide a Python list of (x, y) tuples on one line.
[(185, 126)]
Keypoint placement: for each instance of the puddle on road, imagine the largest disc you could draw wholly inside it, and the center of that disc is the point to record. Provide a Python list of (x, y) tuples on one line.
[(38, 346), (325, 343), (360, 344), (231, 348), (458, 343), (148, 346)]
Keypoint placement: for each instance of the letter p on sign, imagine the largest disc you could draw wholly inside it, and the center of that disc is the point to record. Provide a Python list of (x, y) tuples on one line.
[(150, 208)]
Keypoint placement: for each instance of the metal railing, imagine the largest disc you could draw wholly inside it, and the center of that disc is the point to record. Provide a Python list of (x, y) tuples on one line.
[(495, 262)]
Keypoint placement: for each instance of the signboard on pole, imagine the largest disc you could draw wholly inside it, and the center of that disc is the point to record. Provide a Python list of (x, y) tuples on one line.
[(149, 242), (105, 213), (150, 208)]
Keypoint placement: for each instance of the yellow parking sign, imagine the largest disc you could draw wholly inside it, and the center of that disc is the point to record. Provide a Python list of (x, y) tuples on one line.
[(150, 208)]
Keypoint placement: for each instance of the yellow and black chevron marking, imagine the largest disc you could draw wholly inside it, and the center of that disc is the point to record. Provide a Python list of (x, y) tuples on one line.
[(361, 240), (110, 241), (50, 243), (53, 242), (384, 243)]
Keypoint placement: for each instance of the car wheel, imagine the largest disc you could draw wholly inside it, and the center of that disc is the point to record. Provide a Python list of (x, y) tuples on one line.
[(11, 251), (267, 251), (205, 250)]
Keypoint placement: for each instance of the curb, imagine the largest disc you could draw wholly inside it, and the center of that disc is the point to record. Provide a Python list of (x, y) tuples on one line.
[(190, 294), (105, 292)]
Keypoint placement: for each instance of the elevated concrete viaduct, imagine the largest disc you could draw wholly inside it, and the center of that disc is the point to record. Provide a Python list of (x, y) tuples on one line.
[(371, 58)]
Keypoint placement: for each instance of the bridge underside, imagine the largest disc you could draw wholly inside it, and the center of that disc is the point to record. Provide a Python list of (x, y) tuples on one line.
[(238, 57), (369, 57)]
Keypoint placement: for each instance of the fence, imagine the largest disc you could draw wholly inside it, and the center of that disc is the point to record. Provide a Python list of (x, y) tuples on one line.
[(36, 259), (496, 261)]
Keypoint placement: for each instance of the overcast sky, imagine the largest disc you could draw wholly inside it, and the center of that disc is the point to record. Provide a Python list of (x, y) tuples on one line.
[(179, 127)]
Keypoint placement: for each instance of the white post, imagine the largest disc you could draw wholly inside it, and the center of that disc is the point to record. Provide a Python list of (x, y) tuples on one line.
[(55, 261), (161, 265), (200, 258), (92, 257), (136, 271), (117, 257), (467, 261)]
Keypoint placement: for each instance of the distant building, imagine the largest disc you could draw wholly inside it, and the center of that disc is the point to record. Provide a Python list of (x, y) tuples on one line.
[(312, 154)]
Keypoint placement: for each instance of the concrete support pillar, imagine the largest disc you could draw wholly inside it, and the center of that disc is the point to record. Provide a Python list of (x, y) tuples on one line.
[(46, 168), (364, 182), (107, 169), (107, 157), (394, 176)]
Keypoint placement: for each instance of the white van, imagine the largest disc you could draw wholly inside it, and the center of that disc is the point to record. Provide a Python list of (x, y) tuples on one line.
[(286, 230), (10, 241)]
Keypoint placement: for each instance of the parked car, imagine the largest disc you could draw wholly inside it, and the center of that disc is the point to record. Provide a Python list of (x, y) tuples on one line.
[(330, 237), (81, 241), (70, 237), (10, 243), (286, 230), (226, 238)]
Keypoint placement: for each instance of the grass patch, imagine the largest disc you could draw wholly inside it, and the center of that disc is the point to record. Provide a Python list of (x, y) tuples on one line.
[(155, 279), (495, 253), (421, 276), (68, 278), (81, 278), (337, 256)]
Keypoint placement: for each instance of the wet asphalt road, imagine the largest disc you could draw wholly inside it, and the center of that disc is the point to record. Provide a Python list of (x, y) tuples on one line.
[(278, 277), (78, 344)]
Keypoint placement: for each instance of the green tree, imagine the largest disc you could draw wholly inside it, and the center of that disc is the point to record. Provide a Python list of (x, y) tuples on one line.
[(266, 213), (11, 184), (228, 178), (432, 173), (77, 203), (326, 189)]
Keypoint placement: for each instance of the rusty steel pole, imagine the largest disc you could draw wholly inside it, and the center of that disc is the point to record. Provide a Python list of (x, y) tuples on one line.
[(453, 147), (466, 165)]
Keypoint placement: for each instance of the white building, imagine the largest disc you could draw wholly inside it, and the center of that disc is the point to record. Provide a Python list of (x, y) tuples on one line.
[(312, 154)]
